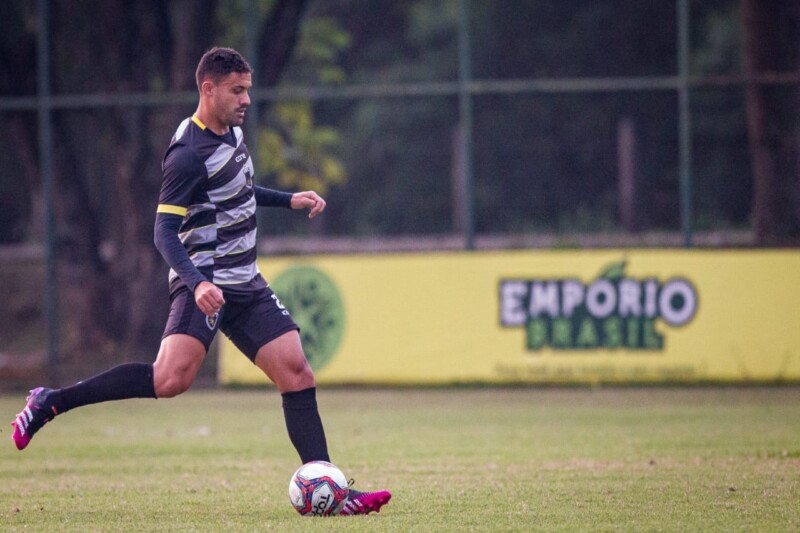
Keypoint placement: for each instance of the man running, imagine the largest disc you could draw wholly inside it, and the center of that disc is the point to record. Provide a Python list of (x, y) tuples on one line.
[(206, 231)]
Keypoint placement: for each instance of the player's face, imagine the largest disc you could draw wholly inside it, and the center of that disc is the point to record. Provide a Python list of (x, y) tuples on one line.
[(231, 98)]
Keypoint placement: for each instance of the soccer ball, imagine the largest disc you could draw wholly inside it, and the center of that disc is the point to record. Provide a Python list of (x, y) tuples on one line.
[(318, 488)]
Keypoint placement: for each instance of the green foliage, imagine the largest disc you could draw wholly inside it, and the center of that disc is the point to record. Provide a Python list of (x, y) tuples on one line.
[(317, 54), (660, 459), (298, 154), (232, 17), (718, 41), (541, 161), (397, 151), (294, 152)]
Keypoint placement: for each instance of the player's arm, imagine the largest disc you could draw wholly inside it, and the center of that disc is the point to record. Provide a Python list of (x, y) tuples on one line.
[(207, 296), (182, 173), (165, 236), (299, 200), (271, 198)]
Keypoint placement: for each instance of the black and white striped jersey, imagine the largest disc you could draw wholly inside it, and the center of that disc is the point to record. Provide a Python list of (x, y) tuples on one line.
[(208, 180)]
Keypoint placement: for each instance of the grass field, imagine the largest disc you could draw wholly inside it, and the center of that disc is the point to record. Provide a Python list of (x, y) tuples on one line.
[(625, 459)]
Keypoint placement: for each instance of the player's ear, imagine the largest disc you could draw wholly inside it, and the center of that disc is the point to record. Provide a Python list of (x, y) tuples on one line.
[(207, 88)]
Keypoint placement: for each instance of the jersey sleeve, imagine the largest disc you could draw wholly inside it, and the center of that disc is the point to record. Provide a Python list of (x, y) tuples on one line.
[(165, 236), (183, 174), (272, 198)]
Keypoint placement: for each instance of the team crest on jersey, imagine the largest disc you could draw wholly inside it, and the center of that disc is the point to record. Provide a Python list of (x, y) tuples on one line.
[(248, 177), (211, 321)]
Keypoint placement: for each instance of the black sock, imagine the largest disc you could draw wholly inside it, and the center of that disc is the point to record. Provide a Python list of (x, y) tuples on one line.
[(131, 380), (304, 425)]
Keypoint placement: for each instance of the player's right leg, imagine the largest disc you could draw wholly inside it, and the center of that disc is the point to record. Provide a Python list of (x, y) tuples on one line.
[(38, 411), (187, 335), (130, 380), (176, 366), (174, 371)]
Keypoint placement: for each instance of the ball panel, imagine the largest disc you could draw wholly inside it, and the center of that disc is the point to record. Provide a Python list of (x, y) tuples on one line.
[(295, 494), (318, 488)]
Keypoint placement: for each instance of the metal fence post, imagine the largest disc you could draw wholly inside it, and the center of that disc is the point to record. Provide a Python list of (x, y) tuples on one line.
[(45, 120), (684, 124), (465, 123)]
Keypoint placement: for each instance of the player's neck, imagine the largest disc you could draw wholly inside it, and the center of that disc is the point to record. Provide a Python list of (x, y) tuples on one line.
[(208, 121)]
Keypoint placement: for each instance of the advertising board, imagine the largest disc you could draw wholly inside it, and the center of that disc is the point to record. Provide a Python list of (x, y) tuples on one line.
[(591, 316)]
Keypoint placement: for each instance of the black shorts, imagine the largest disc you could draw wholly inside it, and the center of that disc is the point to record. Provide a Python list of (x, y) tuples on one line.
[(250, 319)]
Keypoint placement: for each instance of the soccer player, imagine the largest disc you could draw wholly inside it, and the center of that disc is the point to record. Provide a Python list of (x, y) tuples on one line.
[(205, 229)]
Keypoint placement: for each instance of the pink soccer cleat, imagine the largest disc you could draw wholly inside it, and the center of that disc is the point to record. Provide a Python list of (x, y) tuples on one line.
[(37, 413), (365, 502)]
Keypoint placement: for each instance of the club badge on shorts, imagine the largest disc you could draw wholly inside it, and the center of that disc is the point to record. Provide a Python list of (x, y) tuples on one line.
[(211, 321)]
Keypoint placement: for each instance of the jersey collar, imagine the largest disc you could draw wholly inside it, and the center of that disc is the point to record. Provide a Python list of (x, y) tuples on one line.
[(198, 122)]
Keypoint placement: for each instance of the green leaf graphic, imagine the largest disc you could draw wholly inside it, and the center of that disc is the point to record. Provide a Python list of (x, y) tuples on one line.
[(614, 271)]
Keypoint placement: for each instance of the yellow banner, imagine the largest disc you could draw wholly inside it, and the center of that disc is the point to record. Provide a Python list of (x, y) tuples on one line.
[(541, 317)]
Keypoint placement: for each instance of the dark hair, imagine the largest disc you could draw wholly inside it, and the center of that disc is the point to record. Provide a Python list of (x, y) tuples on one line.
[(218, 63)]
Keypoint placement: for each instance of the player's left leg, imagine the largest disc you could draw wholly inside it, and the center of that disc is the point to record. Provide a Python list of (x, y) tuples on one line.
[(285, 364), (365, 502), (270, 338)]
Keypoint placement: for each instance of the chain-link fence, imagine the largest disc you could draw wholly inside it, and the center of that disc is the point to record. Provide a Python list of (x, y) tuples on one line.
[(426, 124)]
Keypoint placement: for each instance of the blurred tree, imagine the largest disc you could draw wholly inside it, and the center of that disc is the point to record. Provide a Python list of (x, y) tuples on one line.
[(21, 215), (556, 154), (542, 160), (108, 160), (296, 153), (771, 45), (291, 151), (721, 185), (545, 160), (397, 151)]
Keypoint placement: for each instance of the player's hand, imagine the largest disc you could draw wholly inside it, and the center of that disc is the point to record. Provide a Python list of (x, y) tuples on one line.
[(208, 298), (308, 200)]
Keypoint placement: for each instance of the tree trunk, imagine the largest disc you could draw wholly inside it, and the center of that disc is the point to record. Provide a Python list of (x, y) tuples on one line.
[(627, 176), (108, 171), (278, 38), (770, 42)]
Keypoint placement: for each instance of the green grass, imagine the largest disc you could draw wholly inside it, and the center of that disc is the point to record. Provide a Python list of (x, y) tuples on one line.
[(661, 459)]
